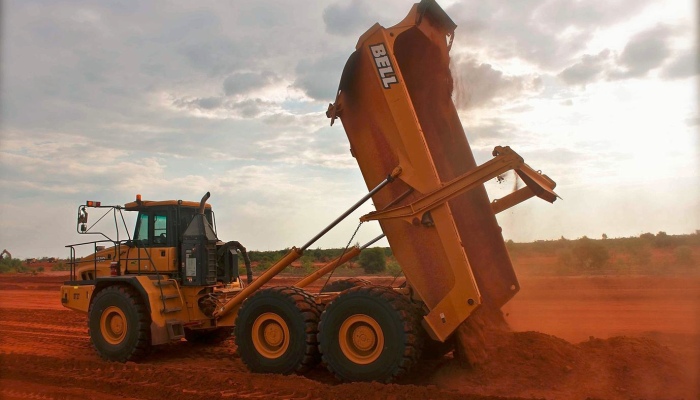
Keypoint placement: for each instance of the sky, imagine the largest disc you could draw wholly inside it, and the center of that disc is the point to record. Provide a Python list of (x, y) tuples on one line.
[(105, 100)]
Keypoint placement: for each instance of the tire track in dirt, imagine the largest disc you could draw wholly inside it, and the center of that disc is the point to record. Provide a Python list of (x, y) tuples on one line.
[(11, 394), (144, 381)]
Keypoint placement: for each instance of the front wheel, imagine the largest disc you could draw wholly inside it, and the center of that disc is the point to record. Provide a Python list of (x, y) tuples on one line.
[(276, 331), (119, 324), (370, 334)]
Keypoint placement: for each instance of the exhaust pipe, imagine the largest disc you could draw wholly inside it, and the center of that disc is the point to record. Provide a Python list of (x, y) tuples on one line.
[(203, 203)]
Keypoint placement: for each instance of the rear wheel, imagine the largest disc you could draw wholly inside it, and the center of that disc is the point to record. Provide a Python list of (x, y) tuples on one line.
[(344, 284), (119, 324), (276, 331), (370, 334)]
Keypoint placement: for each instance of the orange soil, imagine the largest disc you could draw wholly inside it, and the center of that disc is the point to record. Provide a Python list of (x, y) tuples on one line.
[(45, 352)]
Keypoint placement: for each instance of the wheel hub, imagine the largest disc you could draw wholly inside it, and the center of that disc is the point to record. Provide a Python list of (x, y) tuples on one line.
[(270, 335), (113, 325), (273, 334), (361, 339)]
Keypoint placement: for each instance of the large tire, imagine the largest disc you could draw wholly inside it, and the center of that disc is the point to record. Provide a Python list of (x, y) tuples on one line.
[(276, 331), (344, 284), (209, 336), (370, 334), (119, 324)]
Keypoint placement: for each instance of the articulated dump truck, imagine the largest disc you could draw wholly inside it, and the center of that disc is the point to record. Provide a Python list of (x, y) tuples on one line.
[(175, 279)]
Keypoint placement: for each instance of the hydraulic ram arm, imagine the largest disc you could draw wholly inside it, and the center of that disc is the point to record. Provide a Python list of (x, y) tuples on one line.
[(505, 160), (348, 255), (293, 254)]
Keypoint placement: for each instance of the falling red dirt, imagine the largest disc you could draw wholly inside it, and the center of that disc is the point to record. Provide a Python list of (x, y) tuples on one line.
[(646, 346)]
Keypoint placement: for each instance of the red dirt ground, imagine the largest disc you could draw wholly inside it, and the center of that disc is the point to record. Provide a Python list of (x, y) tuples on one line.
[(575, 338)]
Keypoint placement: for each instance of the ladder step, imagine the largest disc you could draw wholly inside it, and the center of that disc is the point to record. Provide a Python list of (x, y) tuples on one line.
[(175, 330), (170, 309), (164, 283), (170, 296)]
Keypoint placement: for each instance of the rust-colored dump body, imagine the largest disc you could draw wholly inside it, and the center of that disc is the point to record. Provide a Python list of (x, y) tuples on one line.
[(395, 104)]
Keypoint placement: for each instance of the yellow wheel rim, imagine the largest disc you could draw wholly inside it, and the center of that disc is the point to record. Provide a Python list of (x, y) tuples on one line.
[(361, 339), (270, 335), (113, 325)]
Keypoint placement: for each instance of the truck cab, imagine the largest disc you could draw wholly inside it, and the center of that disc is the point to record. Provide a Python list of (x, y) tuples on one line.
[(154, 247)]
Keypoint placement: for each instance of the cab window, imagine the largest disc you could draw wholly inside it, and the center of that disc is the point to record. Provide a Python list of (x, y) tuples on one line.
[(160, 228), (142, 228), (152, 228)]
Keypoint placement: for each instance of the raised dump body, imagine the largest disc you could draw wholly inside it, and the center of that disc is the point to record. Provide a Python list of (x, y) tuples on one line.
[(394, 101)]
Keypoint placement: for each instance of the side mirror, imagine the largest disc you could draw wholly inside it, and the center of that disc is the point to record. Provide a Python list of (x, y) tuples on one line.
[(82, 219)]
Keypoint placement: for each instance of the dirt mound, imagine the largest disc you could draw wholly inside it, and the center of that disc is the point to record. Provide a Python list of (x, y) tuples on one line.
[(533, 364)]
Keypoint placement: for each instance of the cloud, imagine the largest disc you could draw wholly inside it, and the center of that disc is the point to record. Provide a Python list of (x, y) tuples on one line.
[(545, 33), (83, 167), (223, 108), (319, 78), (646, 51), (589, 69), (684, 65), (489, 132), (346, 19), (243, 82), (479, 84)]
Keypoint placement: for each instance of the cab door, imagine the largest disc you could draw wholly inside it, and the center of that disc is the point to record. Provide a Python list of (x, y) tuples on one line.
[(164, 243), (156, 246)]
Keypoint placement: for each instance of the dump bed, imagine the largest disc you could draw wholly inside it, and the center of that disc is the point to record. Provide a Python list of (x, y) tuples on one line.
[(395, 105)]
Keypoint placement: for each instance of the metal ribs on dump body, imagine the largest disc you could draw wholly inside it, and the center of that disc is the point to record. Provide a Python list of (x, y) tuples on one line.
[(394, 101)]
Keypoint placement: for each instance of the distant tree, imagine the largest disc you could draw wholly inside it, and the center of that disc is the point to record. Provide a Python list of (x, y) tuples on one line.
[(61, 267), (605, 236), (684, 255), (662, 240), (394, 268), (11, 265), (307, 264), (647, 236), (589, 254), (373, 260)]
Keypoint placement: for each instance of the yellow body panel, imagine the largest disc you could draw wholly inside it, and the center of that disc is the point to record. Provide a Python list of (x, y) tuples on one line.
[(77, 297), (154, 259), (132, 260)]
